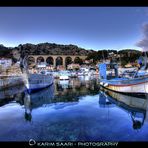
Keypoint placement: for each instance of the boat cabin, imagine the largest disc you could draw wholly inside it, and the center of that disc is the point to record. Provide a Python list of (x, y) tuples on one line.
[(108, 70)]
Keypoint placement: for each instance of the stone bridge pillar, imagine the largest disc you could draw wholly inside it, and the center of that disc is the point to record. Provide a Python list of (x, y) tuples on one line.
[(35, 60), (44, 59), (73, 58), (55, 57), (64, 64), (54, 62)]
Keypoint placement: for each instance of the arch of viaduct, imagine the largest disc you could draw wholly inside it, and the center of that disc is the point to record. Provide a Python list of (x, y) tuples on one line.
[(55, 57)]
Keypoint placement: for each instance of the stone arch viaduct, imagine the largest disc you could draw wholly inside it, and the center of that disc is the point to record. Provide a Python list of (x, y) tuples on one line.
[(53, 59)]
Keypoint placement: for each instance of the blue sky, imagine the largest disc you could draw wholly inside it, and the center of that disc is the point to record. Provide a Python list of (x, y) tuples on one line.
[(88, 27)]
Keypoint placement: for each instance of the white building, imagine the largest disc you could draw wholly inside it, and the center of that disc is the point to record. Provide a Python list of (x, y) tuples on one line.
[(4, 62)]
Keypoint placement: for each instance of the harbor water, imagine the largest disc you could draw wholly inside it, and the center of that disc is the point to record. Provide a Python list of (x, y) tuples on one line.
[(72, 110)]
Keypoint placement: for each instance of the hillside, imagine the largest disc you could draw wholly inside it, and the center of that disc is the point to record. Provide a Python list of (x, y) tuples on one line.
[(127, 55), (5, 51), (53, 49)]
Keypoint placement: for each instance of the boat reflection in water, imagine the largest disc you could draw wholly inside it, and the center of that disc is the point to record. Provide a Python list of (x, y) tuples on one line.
[(34, 100), (76, 87), (63, 93), (136, 107), (74, 110)]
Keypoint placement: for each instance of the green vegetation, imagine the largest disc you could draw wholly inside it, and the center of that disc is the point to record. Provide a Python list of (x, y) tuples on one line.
[(78, 61), (123, 56), (129, 56), (100, 55), (5, 52)]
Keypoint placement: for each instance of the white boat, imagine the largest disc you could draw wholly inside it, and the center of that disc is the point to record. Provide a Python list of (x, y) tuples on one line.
[(64, 84), (91, 73), (125, 85), (80, 73), (64, 75), (83, 72), (135, 82), (73, 74), (56, 74), (34, 82)]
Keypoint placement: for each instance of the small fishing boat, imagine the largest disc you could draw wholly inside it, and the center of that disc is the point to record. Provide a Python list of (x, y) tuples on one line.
[(56, 74), (35, 82), (135, 82), (64, 75), (73, 74), (80, 73), (64, 84)]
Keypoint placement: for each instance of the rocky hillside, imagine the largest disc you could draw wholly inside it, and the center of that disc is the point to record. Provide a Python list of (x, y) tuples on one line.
[(57, 49), (45, 48), (53, 49)]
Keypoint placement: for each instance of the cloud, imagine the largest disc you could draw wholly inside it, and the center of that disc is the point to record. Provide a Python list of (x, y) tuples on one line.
[(144, 42)]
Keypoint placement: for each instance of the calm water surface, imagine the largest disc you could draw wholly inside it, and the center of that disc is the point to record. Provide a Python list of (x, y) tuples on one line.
[(74, 110)]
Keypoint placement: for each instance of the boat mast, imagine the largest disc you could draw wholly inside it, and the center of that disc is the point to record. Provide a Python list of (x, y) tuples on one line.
[(23, 60), (103, 56)]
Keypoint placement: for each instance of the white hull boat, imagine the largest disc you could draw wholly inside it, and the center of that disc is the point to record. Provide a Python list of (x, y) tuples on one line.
[(135, 85), (35, 82), (64, 75), (132, 82)]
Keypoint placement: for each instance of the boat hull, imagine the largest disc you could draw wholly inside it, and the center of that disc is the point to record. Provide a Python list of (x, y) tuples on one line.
[(139, 86), (38, 82), (64, 77)]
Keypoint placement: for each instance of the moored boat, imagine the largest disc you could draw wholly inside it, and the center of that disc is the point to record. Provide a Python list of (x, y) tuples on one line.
[(135, 82), (125, 85), (64, 75), (35, 82)]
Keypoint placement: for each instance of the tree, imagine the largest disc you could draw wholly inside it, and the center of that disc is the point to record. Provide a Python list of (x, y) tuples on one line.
[(78, 61)]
